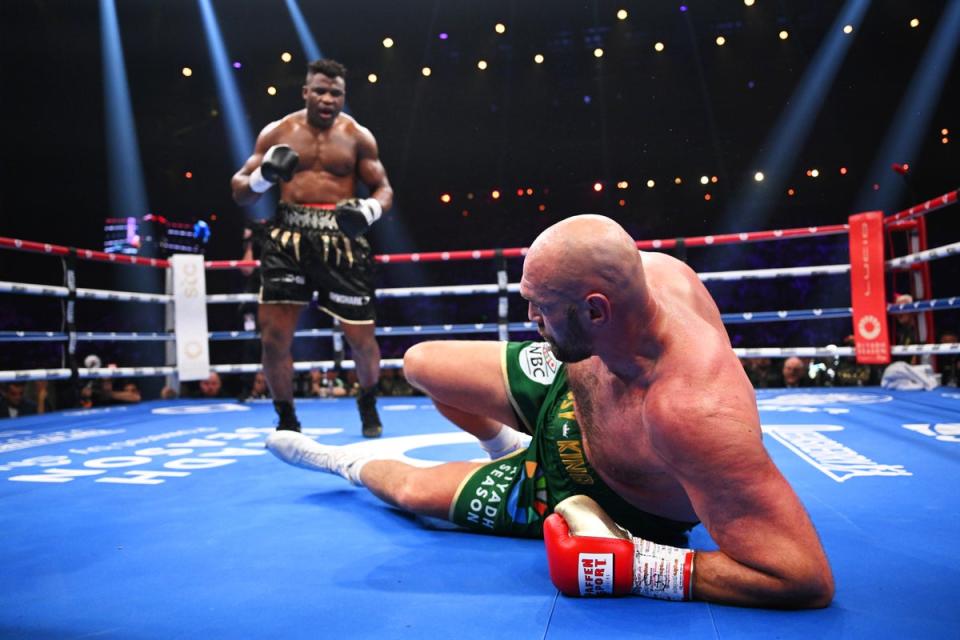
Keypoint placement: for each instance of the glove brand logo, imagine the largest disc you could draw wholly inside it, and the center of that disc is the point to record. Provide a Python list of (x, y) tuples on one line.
[(595, 573), (538, 363)]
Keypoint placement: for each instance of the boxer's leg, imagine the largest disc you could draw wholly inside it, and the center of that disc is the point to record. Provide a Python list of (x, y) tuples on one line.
[(277, 324), (465, 381), (427, 491), (366, 354)]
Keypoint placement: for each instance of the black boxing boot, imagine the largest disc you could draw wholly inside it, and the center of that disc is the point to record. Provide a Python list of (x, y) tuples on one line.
[(367, 404), (288, 416)]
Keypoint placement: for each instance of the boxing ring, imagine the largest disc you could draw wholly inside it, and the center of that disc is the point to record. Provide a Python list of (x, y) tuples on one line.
[(167, 519)]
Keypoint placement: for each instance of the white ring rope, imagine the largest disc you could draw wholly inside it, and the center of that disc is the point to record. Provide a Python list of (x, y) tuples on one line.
[(924, 256), (24, 375)]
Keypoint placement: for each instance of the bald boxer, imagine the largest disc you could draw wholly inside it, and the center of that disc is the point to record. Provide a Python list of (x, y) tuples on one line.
[(643, 423), (316, 240)]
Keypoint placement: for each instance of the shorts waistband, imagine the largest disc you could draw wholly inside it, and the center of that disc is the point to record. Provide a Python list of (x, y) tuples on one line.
[(306, 216)]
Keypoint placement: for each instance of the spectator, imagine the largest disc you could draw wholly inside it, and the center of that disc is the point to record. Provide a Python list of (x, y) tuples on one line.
[(258, 389), (393, 383), (905, 331), (103, 393), (42, 394), (13, 403), (759, 371), (212, 387), (326, 384), (794, 373), (850, 374)]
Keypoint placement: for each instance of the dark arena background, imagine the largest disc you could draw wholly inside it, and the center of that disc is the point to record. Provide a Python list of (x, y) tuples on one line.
[(125, 121)]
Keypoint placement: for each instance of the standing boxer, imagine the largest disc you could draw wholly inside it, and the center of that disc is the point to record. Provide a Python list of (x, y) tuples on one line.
[(316, 242)]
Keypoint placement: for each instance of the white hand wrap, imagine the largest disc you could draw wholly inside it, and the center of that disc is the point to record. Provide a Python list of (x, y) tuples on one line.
[(662, 571), (372, 209), (259, 184)]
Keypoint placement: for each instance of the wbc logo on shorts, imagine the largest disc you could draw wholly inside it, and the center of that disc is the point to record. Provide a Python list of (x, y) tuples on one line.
[(538, 363)]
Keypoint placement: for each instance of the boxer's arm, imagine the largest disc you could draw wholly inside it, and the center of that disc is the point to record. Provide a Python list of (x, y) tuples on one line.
[(371, 171), (240, 183), (769, 553)]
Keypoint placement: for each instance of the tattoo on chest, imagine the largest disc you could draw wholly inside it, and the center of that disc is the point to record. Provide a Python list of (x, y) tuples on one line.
[(584, 386)]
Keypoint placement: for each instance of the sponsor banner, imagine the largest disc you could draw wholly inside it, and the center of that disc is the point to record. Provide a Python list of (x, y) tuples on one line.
[(867, 291), (190, 313)]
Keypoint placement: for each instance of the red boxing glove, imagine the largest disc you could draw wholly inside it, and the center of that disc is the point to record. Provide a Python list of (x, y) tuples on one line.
[(591, 555)]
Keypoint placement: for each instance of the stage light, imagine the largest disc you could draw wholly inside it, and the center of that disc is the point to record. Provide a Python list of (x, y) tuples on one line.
[(520, 192), (814, 173), (465, 213), (843, 171), (236, 64), (749, 3), (372, 78), (784, 34), (721, 41), (598, 53), (714, 179), (482, 65), (188, 175), (658, 47), (651, 183), (542, 207), (622, 202), (622, 14), (944, 131), (623, 184), (495, 194), (678, 180), (944, 140), (445, 198), (286, 57), (707, 197), (271, 91), (598, 186), (683, 8), (848, 28), (387, 42), (443, 35), (187, 72), (470, 196), (529, 191), (704, 179), (500, 28), (791, 192), (538, 58), (426, 71), (758, 176), (915, 23)]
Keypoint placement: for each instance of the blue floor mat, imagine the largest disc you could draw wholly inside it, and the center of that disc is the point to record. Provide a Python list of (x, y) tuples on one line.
[(168, 520)]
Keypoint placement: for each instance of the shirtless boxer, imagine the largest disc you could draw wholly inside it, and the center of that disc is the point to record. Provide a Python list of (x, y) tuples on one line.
[(315, 241), (648, 420)]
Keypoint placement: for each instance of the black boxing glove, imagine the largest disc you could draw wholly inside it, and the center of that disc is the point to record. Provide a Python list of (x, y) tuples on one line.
[(354, 216), (278, 163)]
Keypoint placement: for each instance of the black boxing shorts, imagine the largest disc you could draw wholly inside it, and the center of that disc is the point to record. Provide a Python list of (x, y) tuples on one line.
[(304, 251)]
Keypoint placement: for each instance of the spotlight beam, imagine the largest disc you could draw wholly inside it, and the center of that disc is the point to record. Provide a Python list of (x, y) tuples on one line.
[(786, 139), (916, 109), (239, 136), (128, 194)]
